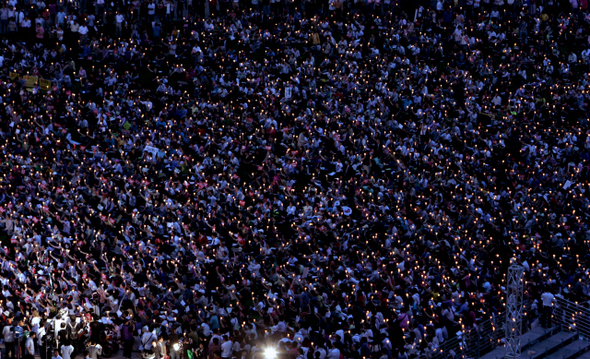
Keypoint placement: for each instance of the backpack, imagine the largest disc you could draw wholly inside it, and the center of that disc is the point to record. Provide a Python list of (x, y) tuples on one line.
[(143, 343), (190, 354)]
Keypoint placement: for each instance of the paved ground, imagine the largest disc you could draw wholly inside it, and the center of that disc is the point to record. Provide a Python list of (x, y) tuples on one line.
[(119, 355)]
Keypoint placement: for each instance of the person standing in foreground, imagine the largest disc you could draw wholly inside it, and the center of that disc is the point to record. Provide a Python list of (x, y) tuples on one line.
[(548, 299), (67, 349), (94, 350), (9, 340), (30, 346), (226, 348), (128, 340)]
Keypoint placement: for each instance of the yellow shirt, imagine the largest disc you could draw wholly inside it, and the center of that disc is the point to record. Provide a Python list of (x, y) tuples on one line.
[(315, 38)]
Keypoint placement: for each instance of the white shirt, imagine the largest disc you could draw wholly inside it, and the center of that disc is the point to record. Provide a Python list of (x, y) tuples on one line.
[(280, 327), (8, 333), (322, 352), (147, 340), (206, 329), (30, 346), (333, 353), (547, 299), (66, 351), (226, 349)]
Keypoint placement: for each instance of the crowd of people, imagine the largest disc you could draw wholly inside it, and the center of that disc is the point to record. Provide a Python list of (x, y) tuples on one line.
[(331, 179)]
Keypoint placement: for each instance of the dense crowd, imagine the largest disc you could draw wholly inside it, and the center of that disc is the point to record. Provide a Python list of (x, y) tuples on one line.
[(333, 179)]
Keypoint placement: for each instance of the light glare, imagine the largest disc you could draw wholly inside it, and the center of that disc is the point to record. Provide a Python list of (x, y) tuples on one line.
[(270, 353)]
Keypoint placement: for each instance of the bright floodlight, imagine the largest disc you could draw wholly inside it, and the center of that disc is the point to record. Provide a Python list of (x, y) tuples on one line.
[(270, 353), (176, 346)]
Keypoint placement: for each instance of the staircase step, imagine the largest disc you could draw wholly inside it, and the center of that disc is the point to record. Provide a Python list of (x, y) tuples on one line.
[(497, 353), (585, 356), (534, 336), (549, 345), (527, 340), (571, 351)]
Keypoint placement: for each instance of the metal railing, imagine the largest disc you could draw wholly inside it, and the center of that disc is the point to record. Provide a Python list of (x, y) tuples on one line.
[(482, 339), (474, 342), (488, 334), (572, 316)]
